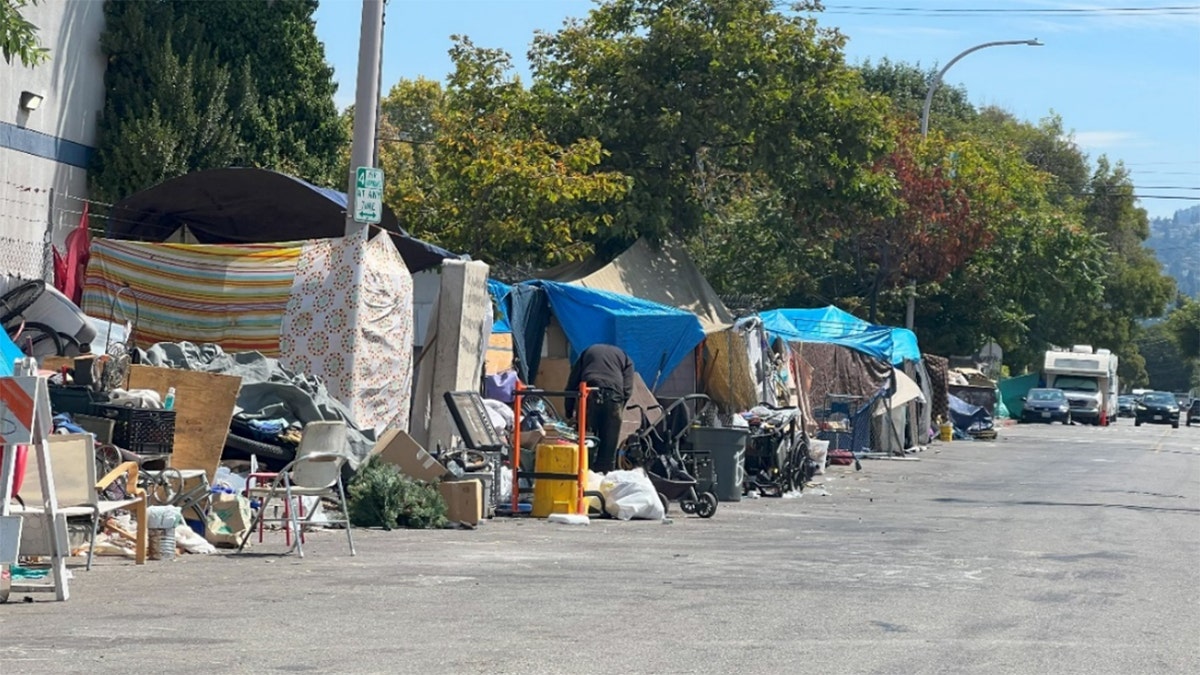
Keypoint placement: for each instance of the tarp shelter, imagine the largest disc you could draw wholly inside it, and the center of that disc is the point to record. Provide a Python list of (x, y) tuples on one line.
[(243, 206), (1013, 389), (291, 301), (850, 357), (967, 417), (662, 274), (655, 336), (665, 274), (830, 325)]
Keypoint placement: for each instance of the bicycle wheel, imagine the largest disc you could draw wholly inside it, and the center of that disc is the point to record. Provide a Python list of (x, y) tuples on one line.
[(33, 335), (19, 299)]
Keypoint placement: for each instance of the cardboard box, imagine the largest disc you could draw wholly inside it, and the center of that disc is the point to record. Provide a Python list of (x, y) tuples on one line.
[(464, 500), (397, 447)]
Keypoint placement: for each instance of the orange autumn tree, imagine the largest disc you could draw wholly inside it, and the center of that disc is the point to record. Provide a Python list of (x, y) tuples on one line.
[(925, 225)]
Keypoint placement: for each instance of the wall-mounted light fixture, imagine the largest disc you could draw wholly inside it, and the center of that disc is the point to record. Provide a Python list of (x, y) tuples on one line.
[(30, 101)]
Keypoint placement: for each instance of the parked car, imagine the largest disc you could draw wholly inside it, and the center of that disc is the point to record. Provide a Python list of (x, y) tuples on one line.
[(1193, 413), (1157, 407), (1125, 405), (1046, 405)]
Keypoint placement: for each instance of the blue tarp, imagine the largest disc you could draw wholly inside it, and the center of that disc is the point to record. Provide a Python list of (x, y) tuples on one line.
[(966, 417), (831, 325), (655, 336), (9, 353), (498, 290)]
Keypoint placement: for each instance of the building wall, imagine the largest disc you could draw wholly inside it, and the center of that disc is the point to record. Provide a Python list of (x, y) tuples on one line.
[(44, 152)]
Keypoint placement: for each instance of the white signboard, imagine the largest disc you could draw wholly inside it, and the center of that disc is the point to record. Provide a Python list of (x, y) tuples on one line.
[(368, 194)]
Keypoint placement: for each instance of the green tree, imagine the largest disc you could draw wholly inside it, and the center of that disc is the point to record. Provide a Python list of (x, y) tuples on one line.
[(290, 122), (907, 85), (1165, 365), (471, 169), (198, 85), (1183, 324), (18, 37), (690, 97)]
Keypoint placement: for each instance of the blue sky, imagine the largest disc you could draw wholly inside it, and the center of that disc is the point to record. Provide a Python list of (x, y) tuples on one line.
[(1126, 84)]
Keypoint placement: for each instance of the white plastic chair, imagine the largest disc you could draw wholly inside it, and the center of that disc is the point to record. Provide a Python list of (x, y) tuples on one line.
[(316, 472)]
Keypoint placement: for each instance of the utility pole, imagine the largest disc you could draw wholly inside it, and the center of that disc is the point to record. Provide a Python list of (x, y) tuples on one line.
[(366, 101)]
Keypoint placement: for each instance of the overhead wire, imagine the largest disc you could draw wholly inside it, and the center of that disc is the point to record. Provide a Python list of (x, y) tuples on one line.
[(885, 10)]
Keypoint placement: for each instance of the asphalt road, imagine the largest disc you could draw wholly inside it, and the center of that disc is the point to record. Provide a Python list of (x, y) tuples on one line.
[(1052, 550)]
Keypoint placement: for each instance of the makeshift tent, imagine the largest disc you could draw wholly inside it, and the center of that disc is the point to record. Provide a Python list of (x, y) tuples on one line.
[(890, 415), (830, 325), (1013, 389), (849, 360), (664, 273), (968, 418), (239, 206), (656, 337), (294, 302)]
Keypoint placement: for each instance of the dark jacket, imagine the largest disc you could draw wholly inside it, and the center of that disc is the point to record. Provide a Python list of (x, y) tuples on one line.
[(602, 367)]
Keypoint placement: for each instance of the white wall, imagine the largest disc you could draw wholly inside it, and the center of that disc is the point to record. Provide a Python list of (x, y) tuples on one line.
[(43, 152)]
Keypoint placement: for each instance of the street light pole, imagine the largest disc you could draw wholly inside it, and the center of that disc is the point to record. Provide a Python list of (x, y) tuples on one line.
[(937, 79), (933, 85)]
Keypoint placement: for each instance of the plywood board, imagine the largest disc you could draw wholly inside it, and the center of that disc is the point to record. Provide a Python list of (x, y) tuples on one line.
[(499, 353), (204, 405)]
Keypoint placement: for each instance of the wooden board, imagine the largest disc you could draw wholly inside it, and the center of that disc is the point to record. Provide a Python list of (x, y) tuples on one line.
[(204, 405), (499, 355)]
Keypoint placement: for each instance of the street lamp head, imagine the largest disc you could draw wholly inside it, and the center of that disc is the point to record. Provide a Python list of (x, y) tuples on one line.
[(1035, 43)]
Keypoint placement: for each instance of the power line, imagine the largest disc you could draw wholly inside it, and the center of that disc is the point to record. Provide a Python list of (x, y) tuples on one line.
[(883, 10)]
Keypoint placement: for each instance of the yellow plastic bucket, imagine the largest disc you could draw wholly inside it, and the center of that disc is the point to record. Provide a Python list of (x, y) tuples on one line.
[(555, 495), (946, 432)]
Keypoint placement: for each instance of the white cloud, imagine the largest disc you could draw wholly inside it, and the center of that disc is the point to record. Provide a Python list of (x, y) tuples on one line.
[(1104, 140)]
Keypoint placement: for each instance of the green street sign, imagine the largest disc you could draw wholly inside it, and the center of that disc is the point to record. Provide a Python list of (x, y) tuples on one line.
[(368, 194)]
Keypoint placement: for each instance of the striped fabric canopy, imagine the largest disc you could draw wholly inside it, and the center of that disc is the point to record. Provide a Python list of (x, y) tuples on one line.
[(233, 296)]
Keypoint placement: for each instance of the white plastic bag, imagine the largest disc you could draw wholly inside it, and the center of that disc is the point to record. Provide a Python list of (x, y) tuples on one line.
[(630, 494), (818, 451)]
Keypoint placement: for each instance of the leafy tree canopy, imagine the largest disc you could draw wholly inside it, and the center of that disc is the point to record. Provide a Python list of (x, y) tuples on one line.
[(200, 85), (690, 97), (470, 167), (18, 37)]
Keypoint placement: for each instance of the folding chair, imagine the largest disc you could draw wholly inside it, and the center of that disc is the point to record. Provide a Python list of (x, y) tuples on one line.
[(316, 472)]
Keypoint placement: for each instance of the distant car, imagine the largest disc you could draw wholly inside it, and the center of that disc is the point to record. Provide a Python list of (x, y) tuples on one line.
[(1157, 407), (1184, 400), (1193, 413), (1125, 405), (1046, 405)]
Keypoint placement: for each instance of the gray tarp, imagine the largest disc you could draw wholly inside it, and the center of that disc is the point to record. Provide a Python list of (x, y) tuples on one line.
[(268, 389)]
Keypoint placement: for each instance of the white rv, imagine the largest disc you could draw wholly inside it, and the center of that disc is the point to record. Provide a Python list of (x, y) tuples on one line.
[(1089, 379)]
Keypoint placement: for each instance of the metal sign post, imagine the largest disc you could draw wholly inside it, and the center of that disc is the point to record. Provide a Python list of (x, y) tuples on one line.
[(368, 195)]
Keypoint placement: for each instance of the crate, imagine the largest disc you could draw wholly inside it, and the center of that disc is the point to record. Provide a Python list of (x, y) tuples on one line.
[(145, 431), (74, 400)]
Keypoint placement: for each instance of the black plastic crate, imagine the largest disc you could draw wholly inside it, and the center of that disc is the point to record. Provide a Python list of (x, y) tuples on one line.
[(74, 400), (146, 431)]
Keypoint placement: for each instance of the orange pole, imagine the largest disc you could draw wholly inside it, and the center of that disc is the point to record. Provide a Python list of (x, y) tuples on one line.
[(515, 455), (582, 461)]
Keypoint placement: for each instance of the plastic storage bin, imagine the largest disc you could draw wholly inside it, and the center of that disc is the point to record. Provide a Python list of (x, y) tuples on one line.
[(556, 495)]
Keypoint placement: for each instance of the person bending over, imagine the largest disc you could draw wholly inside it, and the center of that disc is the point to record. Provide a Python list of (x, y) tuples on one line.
[(608, 372)]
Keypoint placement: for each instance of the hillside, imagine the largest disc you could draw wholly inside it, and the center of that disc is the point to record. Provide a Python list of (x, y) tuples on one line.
[(1176, 242)]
